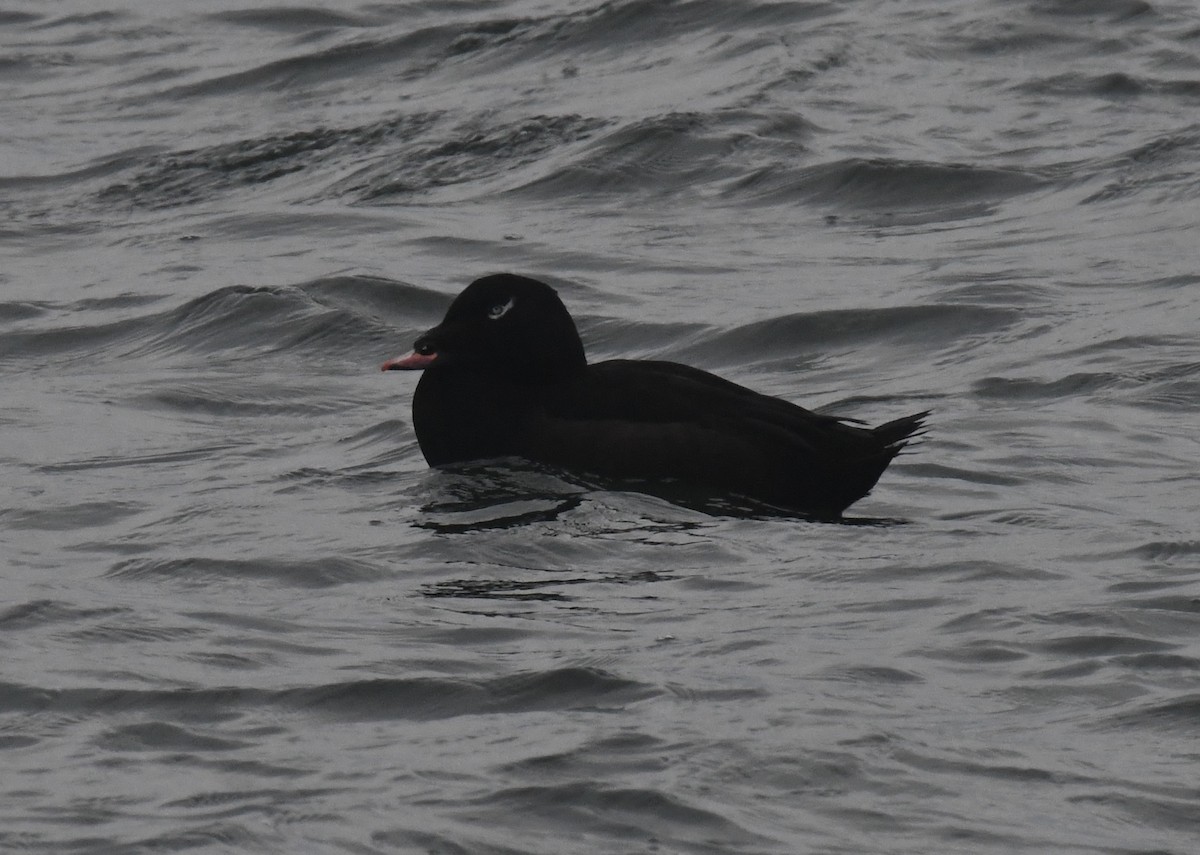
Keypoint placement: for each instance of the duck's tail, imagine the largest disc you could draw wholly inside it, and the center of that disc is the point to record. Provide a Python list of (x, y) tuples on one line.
[(857, 473), (894, 435)]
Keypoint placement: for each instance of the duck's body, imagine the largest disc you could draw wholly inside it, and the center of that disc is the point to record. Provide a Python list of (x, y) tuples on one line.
[(505, 375)]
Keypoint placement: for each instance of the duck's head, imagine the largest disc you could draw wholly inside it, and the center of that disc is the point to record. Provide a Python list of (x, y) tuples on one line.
[(502, 324)]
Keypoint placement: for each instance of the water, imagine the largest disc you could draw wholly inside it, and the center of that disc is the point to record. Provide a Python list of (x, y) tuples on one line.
[(238, 612)]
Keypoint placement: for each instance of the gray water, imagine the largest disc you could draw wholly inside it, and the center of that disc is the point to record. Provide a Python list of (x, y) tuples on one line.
[(239, 614)]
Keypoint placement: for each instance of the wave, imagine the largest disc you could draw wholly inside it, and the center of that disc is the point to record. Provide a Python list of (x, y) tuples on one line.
[(414, 54), (340, 315), (470, 44), (755, 149), (1159, 170), (471, 154), (672, 153), (347, 316), (69, 517), (562, 688), (195, 175), (737, 157), (307, 573), (1113, 84), (290, 18), (932, 328), (886, 184)]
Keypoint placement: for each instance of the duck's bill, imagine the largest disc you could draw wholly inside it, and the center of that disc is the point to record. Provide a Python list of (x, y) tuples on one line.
[(412, 362)]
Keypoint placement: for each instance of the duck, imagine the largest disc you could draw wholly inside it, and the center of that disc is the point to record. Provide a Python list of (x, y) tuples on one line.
[(505, 375)]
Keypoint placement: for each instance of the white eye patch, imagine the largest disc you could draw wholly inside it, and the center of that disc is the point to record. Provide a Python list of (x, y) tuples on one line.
[(499, 310)]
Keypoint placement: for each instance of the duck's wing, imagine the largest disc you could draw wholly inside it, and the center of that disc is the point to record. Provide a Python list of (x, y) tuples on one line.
[(664, 420), (658, 391)]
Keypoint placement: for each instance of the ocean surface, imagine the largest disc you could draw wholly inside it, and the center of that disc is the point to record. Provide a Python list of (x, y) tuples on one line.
[(239, 614)]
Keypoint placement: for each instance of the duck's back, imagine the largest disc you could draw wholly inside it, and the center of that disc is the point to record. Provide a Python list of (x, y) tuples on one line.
[(662, 420)]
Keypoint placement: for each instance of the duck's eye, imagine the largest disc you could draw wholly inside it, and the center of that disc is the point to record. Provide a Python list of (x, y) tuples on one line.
[(499, 310)]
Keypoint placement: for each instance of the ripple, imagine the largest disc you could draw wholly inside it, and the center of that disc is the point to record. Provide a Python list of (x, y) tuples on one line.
[(302, 573), (612, 812), (562, 688), (953, 189), (159, 736), (339, 315), (289, 18), (932, 326), (1180, 714), (1100, 645), (466, 155), (164, 180), (80, 515), (37, 613)]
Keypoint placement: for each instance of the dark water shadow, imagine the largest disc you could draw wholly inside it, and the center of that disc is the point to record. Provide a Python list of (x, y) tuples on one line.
[(513, 492), (495, 495), (524, 590)]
